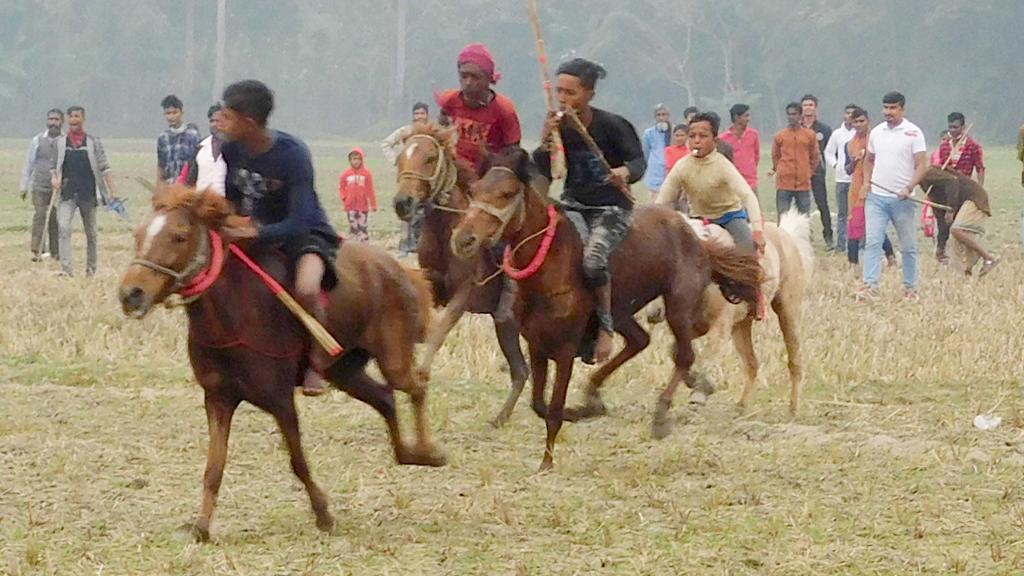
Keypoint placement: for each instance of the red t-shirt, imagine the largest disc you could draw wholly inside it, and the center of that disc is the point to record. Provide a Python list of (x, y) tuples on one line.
[(494, 126), (674, 154)]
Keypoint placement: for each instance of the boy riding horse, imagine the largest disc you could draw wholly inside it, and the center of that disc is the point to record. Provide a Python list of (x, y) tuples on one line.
[(592, 197), (270, 179)]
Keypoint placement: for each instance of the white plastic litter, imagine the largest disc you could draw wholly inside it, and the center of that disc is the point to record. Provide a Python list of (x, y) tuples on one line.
[(987, 421)]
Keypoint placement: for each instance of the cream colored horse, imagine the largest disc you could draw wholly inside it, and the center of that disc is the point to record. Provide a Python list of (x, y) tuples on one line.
[(788, 266)]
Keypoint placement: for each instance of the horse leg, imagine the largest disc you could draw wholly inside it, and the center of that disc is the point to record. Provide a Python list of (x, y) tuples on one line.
[(288, 422), (680, 321), (539, 375), (398, 371), (349, 375), (744, 343), (553, 421), (637, 339), (219, 411), (788, 309), (508, 339), (441, 326)]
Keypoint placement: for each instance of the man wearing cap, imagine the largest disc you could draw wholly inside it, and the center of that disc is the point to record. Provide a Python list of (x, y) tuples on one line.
[(484, 119)]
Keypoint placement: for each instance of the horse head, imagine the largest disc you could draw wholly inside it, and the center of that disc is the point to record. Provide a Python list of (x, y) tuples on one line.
[(498, 206), (174, 245), (427, 169)]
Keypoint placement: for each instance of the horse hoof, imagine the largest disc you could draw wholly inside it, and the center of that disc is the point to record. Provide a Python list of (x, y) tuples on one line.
[(546, 466), (423, 374), (661, 428), (433, 457), (499, 421), (325, 522), (541, 410), (698, 398), (198, 531)]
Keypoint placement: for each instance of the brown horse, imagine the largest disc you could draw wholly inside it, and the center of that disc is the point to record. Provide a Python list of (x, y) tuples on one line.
[(429, 172), (245, 346), (660, 256)]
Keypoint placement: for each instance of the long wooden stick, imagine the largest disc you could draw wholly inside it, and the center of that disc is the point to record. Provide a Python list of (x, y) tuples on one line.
[(46, 225), (912, 199), (316, 329), (557, 147), (596, 150)]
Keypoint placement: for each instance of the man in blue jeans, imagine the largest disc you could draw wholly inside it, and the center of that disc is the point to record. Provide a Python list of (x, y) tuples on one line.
[(895, 163)]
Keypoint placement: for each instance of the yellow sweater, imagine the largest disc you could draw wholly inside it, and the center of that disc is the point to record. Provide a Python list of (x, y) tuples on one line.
[(713, 187)]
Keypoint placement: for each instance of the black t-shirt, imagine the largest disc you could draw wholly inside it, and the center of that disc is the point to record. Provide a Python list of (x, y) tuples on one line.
[(276, 189), (822, 132), (586, 179)]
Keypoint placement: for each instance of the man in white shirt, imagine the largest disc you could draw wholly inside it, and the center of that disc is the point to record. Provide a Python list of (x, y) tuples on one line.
[(835, 156), (209, 170), (895, 163)]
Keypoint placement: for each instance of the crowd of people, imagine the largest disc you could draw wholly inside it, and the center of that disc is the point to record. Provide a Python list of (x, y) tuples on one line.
[(700, 167)]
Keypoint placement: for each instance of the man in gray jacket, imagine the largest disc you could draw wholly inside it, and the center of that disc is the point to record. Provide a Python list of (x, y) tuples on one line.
[(81, 172), (37, 177)]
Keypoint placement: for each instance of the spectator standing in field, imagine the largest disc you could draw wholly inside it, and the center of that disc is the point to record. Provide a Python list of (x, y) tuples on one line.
[(358, 195), (392, 147), (795, 157), (895, 163), (745, 142), (689, 113), (208, 170), (82, 173), (37, 178), (968, 158), (835, 156), (655, 140), (675, 152), (822, 133), (177, 145), (854, 152)]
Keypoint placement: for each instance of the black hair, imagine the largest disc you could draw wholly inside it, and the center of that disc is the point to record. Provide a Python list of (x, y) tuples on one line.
[(684, 127), (213, 110), (794, 106), (810, 97), (250, 98), (421, 106), (76, 108), (171, 101), (894, 98), (738, 110), (709, 117), (56, 111), (851, 107), (588, 72), (690, 109), (858, 112), (956, 117)]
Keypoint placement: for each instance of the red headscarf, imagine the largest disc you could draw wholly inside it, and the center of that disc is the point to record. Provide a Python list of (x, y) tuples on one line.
[(479, 54)]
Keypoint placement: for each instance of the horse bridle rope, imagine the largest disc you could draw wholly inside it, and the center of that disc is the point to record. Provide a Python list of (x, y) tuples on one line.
[(442, 181), (183, 280)]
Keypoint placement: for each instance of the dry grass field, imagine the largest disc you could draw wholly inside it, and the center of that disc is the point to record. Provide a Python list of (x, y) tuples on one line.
[(103, 438)]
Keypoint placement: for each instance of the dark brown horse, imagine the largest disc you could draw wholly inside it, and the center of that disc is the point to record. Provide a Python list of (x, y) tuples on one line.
[(660, 256), (428, 172), (245, 346)]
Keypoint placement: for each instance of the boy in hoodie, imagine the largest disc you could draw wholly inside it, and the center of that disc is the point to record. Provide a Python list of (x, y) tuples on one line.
[(358, 196)]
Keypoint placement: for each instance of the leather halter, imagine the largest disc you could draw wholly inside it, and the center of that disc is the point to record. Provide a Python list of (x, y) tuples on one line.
[(201, 272), (444, 178), (504, 215)]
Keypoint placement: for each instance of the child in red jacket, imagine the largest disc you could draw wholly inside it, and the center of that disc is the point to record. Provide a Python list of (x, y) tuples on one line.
[(358, 196)]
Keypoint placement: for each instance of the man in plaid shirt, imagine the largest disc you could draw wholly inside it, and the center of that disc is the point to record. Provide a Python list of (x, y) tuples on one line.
[(176, 145), (969, 159)]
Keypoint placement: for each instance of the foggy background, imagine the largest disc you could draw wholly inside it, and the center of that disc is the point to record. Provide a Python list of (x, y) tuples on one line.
[(353, 68)]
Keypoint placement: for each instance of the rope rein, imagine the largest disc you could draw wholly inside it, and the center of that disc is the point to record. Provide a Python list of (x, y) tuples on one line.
[(442, 181)]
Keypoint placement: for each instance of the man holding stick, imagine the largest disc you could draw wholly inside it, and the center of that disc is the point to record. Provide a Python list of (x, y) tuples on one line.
[(966, 220), (37, 178), (604, 156), (894, 165), (965, 155)]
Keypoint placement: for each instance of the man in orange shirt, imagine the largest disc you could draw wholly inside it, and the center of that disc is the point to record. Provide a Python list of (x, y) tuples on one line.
[(795, 157)]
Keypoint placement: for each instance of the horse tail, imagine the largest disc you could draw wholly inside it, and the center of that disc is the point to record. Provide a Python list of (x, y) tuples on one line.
[(798, 226), (737, 273), (422, 296)]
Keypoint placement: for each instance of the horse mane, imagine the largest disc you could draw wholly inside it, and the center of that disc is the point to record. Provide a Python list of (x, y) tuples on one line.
[(207, 206)]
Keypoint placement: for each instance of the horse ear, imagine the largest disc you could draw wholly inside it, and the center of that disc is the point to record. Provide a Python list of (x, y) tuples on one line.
[(161, 193), (211, 209)]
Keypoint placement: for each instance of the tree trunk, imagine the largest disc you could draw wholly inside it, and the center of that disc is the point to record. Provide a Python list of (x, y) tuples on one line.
[(397, 96), (218, 77), (190, 41)]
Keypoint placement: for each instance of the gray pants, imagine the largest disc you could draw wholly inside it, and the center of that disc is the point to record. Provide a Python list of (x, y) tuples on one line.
[(842, 213), (742, 234), (65, 212), (41, 201), (784, 198), (606, 227)]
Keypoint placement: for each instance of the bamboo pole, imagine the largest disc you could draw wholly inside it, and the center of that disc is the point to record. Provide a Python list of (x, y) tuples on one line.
[(557, 148)]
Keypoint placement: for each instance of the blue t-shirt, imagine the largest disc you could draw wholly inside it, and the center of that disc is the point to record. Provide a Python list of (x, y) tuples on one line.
[(275, 188)]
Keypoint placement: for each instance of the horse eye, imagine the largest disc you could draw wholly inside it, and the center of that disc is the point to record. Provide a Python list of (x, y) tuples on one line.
[(180, 238)]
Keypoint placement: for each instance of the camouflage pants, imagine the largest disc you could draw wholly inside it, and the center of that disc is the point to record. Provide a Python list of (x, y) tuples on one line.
[(358, 225), (601, 228)]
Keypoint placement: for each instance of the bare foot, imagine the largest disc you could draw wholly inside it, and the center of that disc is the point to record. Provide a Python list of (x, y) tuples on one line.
[(603, 350)]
